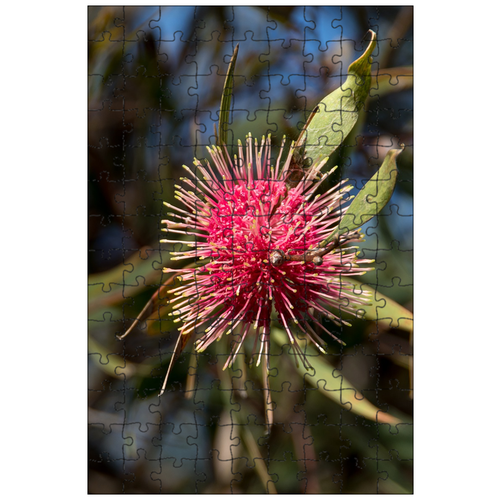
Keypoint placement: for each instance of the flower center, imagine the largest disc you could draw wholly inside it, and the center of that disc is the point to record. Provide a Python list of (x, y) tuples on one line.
[(246, 228), (254, 220)]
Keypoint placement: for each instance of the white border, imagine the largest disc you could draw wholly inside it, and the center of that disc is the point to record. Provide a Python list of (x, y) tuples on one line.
[(44, 217)]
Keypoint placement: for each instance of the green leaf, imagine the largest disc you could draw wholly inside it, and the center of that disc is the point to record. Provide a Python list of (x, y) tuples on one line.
[(138, 271), (260, 465), (334, 385), (370, 200), (382, 309), (225, 103), (113, 364), (338, 112)]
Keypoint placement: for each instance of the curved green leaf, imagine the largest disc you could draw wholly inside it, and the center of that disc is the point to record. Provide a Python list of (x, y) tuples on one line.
[(225, 103), (371, 199), (338, 112), (138, 271), (335, 386), (113, 364), (383, 309), (374, 195)]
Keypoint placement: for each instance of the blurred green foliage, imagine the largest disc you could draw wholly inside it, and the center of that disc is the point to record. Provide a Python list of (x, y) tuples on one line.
[(155, 81)]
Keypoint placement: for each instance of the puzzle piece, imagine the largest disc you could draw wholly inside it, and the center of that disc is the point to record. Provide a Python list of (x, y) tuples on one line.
[(156, 76)]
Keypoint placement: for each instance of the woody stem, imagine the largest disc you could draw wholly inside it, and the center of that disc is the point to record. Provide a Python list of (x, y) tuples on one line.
[(316, 256)]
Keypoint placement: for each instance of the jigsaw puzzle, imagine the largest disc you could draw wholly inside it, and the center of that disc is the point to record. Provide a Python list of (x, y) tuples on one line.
[(250, 249)]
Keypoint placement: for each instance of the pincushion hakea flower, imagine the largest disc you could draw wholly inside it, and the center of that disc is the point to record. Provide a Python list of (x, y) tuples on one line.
[(253, 233)]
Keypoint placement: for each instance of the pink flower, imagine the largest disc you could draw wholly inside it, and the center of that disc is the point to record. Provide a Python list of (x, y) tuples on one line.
[(251, 231)]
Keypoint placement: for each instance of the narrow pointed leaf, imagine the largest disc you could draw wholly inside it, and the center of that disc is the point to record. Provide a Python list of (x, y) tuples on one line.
[(138, 271), (113, 364), (382, 309), (260, 463), (335, 386), (225, 103), (338, 112), (370, 200)]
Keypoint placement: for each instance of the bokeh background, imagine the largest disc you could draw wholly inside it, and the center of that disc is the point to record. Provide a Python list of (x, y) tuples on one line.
[(155, 81)]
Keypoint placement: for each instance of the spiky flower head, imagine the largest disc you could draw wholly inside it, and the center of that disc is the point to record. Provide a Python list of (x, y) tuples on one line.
[(252, 230)]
